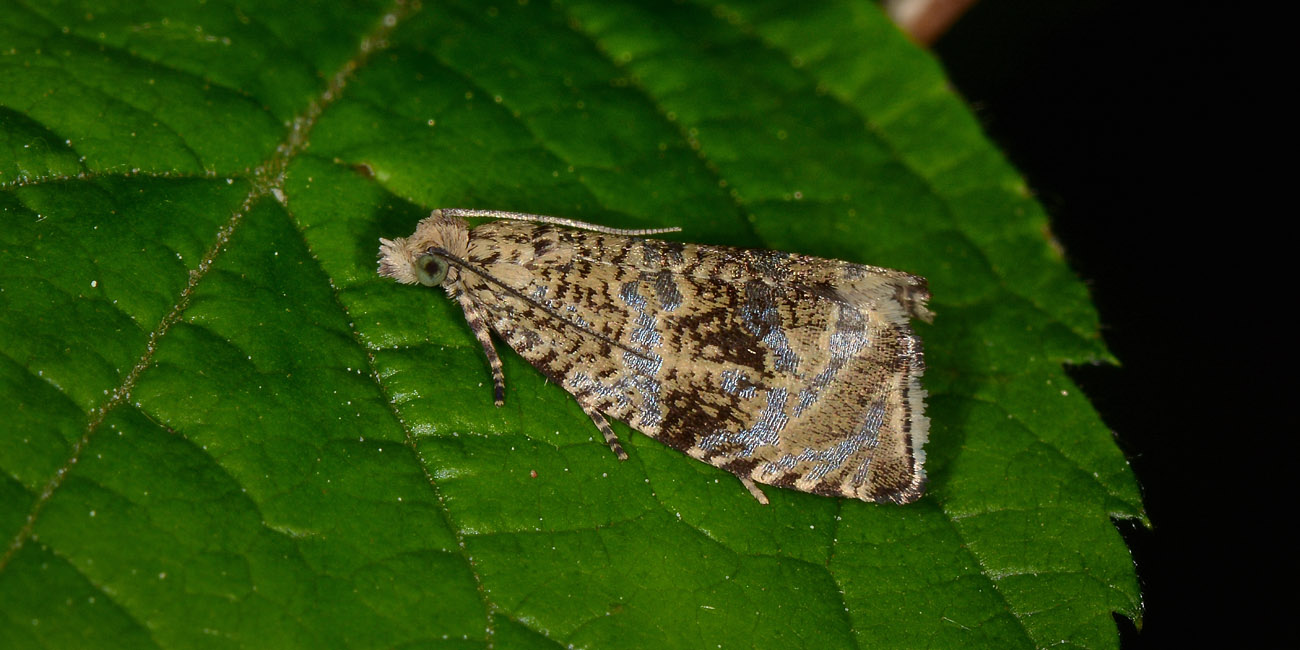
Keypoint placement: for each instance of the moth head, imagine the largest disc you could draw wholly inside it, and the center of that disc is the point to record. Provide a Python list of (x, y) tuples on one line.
[(421, 258)]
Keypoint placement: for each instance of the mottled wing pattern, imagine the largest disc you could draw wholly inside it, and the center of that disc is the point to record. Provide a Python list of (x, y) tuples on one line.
[(793, 371)]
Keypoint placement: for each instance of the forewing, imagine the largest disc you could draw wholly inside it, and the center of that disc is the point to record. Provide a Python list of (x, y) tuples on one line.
[(791, 370)]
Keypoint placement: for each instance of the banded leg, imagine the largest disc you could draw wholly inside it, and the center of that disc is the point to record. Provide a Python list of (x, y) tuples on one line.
[(475, 319), (753, 489), (611, 438)]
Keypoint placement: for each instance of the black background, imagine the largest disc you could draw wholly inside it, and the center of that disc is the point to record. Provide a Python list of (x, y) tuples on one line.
[(1131, 121)]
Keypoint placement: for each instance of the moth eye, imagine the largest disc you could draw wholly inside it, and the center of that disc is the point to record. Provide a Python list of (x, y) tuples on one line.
[(431, 270)]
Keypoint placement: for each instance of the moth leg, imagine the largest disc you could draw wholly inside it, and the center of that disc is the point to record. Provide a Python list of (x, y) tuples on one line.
[(611, 438), (475, 319), (753, 489)]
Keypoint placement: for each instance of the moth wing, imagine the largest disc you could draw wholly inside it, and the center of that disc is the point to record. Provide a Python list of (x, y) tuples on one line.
[(804, 376), (790, 370)]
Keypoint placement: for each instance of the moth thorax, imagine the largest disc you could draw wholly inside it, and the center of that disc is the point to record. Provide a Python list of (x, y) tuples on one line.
[(450, 234)]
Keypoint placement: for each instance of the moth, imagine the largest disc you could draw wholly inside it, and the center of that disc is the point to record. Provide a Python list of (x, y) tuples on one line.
[(783, 369)]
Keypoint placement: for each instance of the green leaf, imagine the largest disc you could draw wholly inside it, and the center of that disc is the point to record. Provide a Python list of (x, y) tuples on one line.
[(219, 427)]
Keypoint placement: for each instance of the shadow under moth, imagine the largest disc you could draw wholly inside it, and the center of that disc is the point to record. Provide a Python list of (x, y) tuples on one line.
[(783, 369)]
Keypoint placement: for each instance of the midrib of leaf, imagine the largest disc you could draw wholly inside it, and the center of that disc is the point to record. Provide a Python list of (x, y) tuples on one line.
[(267, 180), (123, 391)]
